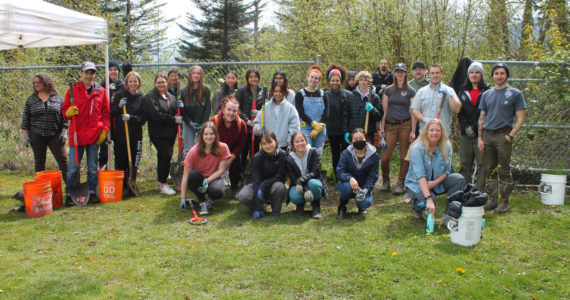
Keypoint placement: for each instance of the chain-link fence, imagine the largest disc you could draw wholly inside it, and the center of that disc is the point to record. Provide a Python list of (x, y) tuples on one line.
[(541, 144)]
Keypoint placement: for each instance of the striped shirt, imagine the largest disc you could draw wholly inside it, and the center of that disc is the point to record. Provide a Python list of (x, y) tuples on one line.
[(44, 118)]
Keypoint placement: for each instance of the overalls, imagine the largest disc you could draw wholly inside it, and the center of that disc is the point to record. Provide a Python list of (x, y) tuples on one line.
[(314, 108)]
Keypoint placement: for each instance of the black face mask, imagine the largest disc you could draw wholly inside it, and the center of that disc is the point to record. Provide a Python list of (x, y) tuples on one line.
[(359, 144)]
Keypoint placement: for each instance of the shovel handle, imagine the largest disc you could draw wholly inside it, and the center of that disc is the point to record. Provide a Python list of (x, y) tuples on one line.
[(73, 124), (127, 136)]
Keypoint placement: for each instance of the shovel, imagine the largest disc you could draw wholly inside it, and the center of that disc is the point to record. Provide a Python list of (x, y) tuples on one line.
[(131, 182), (79, 192), (176, 168)]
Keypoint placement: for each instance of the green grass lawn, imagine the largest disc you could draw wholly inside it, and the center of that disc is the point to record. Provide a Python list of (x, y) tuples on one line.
[(145, 248)]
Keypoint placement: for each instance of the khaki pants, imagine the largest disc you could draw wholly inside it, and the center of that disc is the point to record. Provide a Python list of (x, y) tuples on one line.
[(497, 157), (468, 154)]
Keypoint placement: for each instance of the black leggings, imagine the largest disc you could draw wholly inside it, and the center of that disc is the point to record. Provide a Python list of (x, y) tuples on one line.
[(39, 147), (163, 147), (338, 144)]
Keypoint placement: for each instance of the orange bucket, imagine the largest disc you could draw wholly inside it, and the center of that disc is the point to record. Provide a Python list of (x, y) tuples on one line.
[(55, 178), (110, 186), (37, 197)]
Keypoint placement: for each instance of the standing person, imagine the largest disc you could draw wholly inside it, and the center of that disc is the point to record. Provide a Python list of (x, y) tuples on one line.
[(351, 81), (173, 76), (304, 170), (337, 96), (398, 125), (357, 172), (362, 101), (91, 112), (470, 97), (43, 124), (247, 96), (278, 116), (419, 72), (267, 181), (197, 105), (279, 78), (428, 100), (499, 106), (430, 171), (382, 77), (229, 87), (233, 132), (131, 98), (161, 109), (313, 107), (204, 166), (116, 84)]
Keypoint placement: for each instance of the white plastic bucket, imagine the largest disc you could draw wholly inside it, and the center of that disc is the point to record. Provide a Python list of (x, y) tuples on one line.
[(468, 232), (552, 189)]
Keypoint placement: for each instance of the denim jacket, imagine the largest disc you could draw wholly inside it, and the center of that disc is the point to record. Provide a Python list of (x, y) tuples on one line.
[(421, 165)]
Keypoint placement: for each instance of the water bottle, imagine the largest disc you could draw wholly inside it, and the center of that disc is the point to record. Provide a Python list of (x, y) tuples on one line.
[(429, 223), (482, 227)]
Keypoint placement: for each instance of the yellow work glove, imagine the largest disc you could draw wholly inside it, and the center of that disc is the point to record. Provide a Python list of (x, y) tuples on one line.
[(102, 137), (319, 127), (72, 111), (314, 134)]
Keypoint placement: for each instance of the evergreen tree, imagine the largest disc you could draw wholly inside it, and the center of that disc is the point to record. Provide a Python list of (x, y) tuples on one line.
[(218, 32)]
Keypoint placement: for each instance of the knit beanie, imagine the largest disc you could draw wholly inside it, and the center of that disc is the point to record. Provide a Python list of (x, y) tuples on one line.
[(477, 66), (352, 74)]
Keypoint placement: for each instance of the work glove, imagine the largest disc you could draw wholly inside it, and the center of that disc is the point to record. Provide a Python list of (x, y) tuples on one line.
[(179, 104), (178, 119), (183, 203), (317, 126), (368, 106), (72, 111), (26, 140), (383, 144), (196, 126), (125, 117), (102, 137), (426, 119), (360, 195), (257, 214), (204, 187), (299, 189), (258, 131), (123, 102), (444, 91), (469, 132), (308, 196), (249, 123), (63, 137), (346, 135), (314, 134)]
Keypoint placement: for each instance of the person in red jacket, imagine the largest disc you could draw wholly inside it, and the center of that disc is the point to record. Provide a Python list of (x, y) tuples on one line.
[(90, 113)]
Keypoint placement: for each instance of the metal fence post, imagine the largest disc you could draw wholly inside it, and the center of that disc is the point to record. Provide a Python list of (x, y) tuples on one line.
[(319, 58)]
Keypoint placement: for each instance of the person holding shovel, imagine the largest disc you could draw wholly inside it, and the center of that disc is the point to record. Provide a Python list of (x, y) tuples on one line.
[(251, 99), (361, 105), (131, 99), (116, 84), (90, 113)]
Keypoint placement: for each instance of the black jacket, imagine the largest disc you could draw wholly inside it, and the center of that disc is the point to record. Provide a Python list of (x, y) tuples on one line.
[(378, 80), (469, 114), (135, 108), (160, 115), (314, 165), (267, 169), (336, 99), (354, 115), (245, 99)]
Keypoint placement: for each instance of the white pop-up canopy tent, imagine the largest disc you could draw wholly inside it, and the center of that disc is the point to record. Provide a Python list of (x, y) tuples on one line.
[(35, 23)]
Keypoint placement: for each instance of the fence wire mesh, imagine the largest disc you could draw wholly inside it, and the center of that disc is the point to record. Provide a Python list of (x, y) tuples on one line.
[(541, 144)]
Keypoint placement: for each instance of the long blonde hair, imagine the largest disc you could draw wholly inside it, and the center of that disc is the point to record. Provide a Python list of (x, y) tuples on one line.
[(423, 138)]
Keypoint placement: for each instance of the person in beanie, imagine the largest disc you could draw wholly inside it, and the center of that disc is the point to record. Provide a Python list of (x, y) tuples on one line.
[(382, 77), (470, 95), (91, 111), (419, 80), (499, 106), (116, 84), (351, 81)]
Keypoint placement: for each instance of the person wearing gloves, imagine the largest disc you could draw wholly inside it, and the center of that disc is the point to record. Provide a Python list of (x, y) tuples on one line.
[(267, 180), (197, 105), (357, 172), (91, 111), (203, 168), (429, 173), (278, 116), (470, 96), (362, 101), (313, 108), (233, 132), (304, 170), (337, 97), (161, 109), (428, 99), (132, 99), (246, 96), (43, 124)]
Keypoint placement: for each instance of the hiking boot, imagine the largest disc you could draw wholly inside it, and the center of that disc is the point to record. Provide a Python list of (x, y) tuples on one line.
[(506, 189), (165, 189), (399, 189), (385, 186), (317, 213), (492, 192), (418, 214), (300, 208), (210, 203), (203, 208)]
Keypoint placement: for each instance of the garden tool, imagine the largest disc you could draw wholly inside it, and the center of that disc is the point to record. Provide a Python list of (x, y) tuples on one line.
[(195, 220), (177, 167), (131, 182)]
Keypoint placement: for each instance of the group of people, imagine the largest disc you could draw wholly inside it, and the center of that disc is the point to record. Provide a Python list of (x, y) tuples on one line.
[(258, 140)]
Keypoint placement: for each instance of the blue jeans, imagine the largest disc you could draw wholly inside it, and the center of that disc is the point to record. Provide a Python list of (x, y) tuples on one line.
[(453, 183), (73, 172), (319, 141), (314, 186), (188, 136), (345, 191)]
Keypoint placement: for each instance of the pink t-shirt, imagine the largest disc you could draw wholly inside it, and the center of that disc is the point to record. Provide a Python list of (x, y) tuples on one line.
[(207, 164)]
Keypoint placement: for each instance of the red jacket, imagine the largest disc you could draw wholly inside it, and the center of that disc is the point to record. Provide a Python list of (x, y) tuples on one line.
[(94, 113), (235, 136)]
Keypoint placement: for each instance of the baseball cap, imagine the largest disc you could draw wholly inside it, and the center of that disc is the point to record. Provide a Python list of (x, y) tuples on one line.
[(88, 66), (418, 64), (401, 66)]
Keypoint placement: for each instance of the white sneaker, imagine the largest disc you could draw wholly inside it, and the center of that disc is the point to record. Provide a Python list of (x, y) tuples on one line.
[(167, 190)]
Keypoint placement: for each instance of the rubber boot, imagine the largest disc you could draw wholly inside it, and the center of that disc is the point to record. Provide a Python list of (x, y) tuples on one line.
[(342, 209), (506, 189), (493, 193)]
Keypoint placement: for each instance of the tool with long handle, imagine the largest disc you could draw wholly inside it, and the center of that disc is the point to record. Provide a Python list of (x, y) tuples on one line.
[(79, 192), (177, 168), (73, 124), (130, 183), (253, 104), (440, 105), (367, 112)]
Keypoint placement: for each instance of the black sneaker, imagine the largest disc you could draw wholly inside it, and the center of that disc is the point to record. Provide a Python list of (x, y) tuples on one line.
[(69, 202), (341, 212), (317, 213), (300, 208)]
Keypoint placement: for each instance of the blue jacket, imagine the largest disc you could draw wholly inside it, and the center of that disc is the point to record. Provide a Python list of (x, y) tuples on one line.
[(366, 173), (431, 168)]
